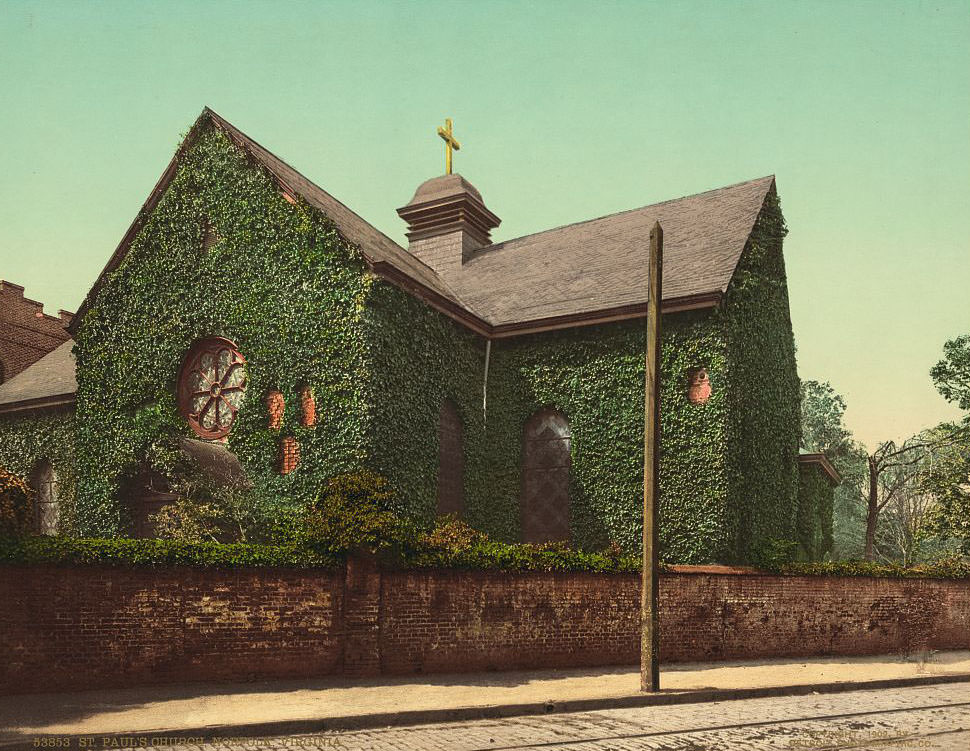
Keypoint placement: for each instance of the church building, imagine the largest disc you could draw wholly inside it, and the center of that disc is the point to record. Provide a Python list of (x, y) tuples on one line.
[(251, 312)]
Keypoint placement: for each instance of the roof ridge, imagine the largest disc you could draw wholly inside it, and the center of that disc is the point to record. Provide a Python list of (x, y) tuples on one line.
[(496, 246)]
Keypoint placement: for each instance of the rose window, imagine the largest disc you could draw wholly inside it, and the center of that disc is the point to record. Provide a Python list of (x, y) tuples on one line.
[(212, 384)]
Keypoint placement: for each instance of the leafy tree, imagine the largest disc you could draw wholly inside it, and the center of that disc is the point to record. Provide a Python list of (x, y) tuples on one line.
[(871, 481), (947, 475), (824, 431), (947, 478), (902, 534), (951, 375)]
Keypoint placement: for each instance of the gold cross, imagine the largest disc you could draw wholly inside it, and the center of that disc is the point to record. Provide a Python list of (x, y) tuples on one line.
[(450, 143)]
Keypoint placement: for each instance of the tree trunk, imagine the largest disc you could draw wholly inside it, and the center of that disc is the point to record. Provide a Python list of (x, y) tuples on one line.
[(872, 512)]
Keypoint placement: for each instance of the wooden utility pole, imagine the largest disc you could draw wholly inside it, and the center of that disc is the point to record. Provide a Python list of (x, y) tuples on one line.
[(649, 630)]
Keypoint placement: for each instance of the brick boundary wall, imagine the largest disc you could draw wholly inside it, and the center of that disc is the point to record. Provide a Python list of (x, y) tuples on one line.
[(89, 627)]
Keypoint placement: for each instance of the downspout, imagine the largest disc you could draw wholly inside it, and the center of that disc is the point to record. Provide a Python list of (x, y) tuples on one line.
[(488, 352)]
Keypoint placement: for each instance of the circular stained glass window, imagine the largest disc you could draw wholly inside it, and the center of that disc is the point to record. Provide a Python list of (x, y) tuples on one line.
[(211, 387)]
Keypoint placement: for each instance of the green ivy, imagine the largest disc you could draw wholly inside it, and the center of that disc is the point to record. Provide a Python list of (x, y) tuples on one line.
[(26, 440), (956, 567), (764, 414), (482, 555), (813, 526), (280, 283)]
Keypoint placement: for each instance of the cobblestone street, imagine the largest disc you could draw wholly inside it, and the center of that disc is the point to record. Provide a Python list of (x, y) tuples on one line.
[(934, 717)]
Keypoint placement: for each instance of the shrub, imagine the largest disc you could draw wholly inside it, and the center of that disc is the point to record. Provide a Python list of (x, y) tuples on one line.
[(451, 534), (206, 512), (358, 511), (454, 544), (216, 501), (15, 505)]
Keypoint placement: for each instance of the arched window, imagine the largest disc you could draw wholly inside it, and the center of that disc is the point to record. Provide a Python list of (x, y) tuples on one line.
[(451, 463), (44, 482), (545, 477)]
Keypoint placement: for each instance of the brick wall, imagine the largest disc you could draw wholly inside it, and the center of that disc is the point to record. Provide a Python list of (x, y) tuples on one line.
[(64, 628), (26, 332), (89, 627), (433, 622)]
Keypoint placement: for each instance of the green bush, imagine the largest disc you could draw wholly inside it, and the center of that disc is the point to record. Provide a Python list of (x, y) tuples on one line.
[(119, 551), (454, 544), (357, 511), (15, 506), (954, 567), (205, 512)]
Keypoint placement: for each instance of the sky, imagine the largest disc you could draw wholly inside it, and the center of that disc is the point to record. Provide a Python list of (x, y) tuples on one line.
[(565, 111)]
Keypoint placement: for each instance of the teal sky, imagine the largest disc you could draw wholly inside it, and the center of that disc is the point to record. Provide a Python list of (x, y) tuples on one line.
[(565, 111)]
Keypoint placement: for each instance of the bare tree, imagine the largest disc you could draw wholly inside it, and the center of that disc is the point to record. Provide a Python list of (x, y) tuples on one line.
[(892, 470), (903, 524)]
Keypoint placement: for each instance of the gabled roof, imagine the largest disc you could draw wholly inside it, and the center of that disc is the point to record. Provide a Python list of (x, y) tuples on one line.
[(49, 382), (601, 264), (580, 273), (584, 272)]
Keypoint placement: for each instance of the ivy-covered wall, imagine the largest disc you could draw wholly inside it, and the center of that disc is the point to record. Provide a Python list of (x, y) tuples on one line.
[(813, 525), (728, 479), (417, 358), (594, 376), (763, 390), (280, 283), (28, 439)]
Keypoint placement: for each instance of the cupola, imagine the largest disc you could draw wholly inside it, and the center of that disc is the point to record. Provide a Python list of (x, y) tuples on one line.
[(447, 222)]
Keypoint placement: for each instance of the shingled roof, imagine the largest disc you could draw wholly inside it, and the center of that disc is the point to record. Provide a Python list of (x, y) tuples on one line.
[(600, 264), (592, 270), (48, 382)]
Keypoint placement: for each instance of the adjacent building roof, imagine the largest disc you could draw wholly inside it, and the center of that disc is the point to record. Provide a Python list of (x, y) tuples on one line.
[(822, 462), (49, 382)]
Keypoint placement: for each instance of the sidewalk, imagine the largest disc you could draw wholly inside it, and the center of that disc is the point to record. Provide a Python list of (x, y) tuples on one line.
[(281, 707)]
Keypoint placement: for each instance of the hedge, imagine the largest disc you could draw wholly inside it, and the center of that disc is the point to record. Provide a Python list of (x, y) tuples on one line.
[(150, 552), (957, 567), (118, 551), (484, 555)]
